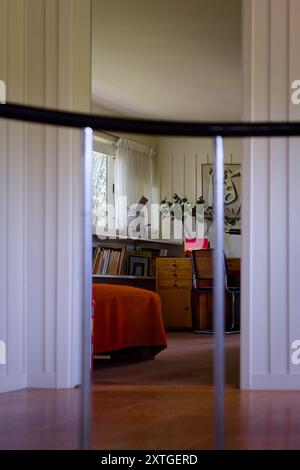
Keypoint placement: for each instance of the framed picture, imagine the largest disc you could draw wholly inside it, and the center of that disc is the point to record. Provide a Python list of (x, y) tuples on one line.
[(138, 265), (232, 189)]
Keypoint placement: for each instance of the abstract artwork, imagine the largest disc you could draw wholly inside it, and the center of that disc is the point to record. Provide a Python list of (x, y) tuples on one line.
[(232, 191)]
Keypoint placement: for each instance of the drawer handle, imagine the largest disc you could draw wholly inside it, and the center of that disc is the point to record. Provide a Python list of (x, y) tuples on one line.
[(175, 285), (175, 265), (186, 308)]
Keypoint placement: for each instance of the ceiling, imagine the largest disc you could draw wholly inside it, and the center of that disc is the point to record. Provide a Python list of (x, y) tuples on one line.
[(167, 59)]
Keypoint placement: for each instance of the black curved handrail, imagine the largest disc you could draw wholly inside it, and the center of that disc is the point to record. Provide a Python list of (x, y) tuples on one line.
[(148, 126)]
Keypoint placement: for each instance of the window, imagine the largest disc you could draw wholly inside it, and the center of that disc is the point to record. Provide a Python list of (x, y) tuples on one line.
[(127, 167), (103, 187)]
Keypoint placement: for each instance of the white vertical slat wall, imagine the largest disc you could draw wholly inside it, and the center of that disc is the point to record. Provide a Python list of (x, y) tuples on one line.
[(271, 195), (180, 163), (45, 61), (12, 202)]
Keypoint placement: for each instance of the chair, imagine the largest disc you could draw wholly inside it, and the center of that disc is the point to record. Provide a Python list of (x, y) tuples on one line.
[(234, 292), (203, 278)]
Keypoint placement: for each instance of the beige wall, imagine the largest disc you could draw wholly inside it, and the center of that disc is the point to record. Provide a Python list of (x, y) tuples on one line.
[(45, 61), (168, 59)]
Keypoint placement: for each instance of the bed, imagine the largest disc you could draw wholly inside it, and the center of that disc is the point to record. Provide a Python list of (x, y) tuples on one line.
[(127, 322)]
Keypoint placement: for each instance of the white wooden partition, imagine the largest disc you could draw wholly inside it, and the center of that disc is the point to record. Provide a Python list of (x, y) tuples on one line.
[(271, 216), (45, 61)]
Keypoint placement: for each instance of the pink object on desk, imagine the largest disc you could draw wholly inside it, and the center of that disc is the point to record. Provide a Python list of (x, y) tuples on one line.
[(196, 244)]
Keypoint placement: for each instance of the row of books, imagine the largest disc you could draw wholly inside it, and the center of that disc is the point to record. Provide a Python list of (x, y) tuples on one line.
[(122, 260), (151, 254), (108, 260)]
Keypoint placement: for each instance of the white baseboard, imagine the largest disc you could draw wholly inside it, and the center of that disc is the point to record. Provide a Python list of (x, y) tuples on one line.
[(11, 382), (274, 382), (41, 380)]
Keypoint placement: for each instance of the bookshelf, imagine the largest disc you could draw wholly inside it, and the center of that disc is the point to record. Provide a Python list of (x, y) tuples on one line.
[(130, 262)]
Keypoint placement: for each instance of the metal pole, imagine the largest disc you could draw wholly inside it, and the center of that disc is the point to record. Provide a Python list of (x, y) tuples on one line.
[(87, 288), (219, 375)]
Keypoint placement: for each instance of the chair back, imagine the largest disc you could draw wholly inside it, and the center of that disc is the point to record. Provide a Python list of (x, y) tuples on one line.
[(203, 268), (203, 263), (232, 272)]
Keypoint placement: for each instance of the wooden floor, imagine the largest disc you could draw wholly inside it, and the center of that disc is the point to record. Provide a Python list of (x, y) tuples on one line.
[(188, 360), (158, 415), (40, 419), (183, 418)]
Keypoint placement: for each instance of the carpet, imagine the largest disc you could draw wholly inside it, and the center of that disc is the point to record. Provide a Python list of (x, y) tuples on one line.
[(188, 360)]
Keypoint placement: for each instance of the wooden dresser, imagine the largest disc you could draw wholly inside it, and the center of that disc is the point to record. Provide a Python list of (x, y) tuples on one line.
[(173, 285)]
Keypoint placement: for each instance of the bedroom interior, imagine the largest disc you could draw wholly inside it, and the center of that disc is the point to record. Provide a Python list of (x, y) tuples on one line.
[(159, 168), (153, 351)]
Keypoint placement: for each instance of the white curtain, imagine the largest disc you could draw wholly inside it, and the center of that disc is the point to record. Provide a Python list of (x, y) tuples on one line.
[(134, 178), (99, 187)]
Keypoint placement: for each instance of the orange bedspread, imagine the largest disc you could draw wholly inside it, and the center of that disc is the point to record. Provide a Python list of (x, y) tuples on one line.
[(127, 317)]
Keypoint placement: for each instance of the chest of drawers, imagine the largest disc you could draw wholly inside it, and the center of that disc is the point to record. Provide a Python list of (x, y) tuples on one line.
[(173, 285)]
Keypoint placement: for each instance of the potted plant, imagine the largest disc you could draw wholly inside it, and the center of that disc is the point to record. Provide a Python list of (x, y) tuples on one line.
[(179, 208), (182, 202), (184, 207)]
